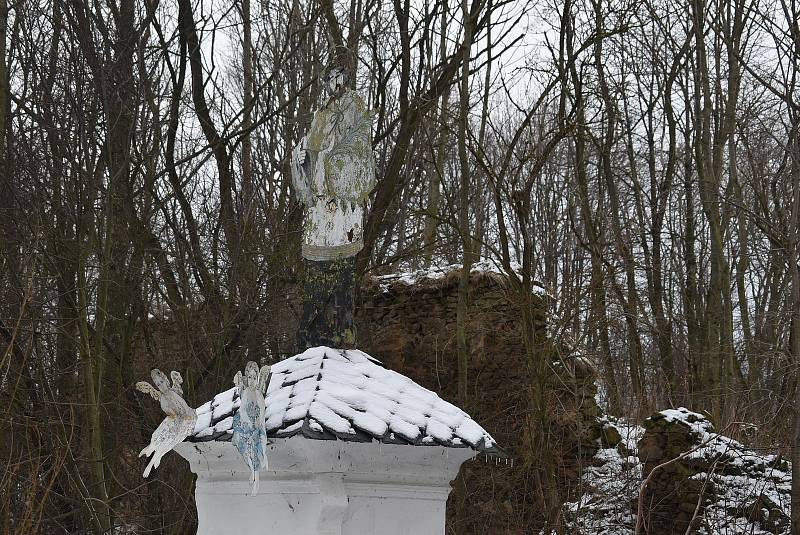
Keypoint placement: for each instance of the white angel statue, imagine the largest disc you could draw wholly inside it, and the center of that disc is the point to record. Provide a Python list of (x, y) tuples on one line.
[(180, 419), (249, 434)]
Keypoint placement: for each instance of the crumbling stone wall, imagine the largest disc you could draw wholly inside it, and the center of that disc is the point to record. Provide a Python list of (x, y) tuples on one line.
[(674, 498), (576, 417), (409, 323), (700, 481)]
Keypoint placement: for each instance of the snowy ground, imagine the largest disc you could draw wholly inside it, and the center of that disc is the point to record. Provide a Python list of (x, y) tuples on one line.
[(609, 487), (741, 477)]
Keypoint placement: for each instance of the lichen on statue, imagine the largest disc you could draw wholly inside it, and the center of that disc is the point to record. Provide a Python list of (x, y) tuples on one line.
[(333, 173)]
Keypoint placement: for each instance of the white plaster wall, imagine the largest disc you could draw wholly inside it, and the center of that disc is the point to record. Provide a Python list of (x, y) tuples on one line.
[(401, 510), (324, 487)]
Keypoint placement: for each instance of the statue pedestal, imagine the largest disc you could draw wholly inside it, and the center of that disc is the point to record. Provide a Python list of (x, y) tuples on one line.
[(324, 486), (327, 304)]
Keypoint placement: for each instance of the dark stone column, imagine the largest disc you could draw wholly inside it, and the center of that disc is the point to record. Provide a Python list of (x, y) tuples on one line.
[(327, 304)]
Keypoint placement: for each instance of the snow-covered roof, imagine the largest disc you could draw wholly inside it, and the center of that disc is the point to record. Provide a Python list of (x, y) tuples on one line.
[(326, 393)]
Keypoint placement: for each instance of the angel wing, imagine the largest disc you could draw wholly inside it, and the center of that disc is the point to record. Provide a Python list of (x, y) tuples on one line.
[(263, 379), (177, 381), (147, 388), (237, 380)]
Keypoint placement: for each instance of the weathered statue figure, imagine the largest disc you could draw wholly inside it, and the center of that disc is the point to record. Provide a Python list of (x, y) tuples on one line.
[(249, 433), (333, 172), (180, 419)]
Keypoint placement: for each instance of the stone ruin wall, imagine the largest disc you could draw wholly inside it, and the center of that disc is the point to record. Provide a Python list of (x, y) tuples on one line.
[(682, 497), (411, 326), (673, 500)]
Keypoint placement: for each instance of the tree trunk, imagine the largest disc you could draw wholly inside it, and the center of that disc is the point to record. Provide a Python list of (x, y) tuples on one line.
[(463, 211), (606, 146), (794, 267), (435, 178)]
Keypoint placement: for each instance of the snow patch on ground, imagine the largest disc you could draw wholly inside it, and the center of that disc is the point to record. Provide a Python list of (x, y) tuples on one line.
[(608, 487)]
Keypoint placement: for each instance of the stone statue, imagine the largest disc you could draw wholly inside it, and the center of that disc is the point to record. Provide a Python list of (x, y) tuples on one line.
[(180, 419), (249, 434), (333, 172)]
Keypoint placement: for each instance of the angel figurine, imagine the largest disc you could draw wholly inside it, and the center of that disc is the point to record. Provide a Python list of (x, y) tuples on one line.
[(249, 433), (180, 419)]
